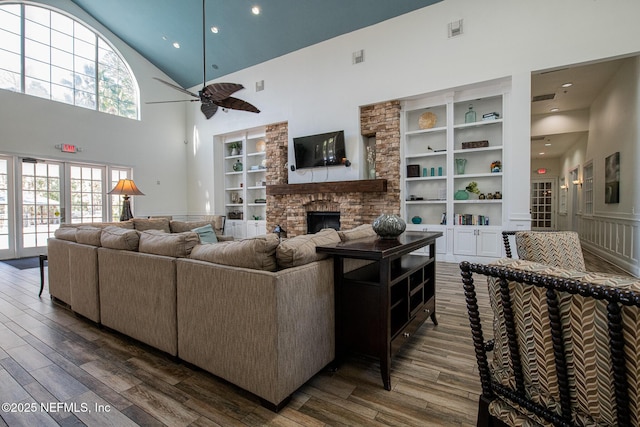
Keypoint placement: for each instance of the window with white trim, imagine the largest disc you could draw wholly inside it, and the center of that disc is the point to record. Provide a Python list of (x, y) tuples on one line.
[(51, 55), (587, 172)]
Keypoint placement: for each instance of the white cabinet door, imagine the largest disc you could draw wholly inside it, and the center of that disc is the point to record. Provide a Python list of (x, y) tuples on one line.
[(256, 228), (477, 242), (464, 241), (489, 243), (236, 228)]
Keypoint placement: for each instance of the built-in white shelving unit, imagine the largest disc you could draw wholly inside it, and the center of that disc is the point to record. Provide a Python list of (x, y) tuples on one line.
[(436, 140)]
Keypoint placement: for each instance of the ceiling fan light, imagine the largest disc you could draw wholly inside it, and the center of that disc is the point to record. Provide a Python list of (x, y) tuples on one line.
[(255, 10), (176, 45), (214, 29)]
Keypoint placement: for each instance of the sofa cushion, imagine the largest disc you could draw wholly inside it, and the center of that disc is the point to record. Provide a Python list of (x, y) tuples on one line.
[(144, 224), (258, 253), (182, 226), (88, 235), (360, 232), (120, 238), (66, 233), (206, 234), (177, 245), (300, 250), (122, 224)]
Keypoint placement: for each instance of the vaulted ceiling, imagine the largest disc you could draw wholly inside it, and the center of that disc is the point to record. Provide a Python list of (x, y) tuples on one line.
[(151, 27)]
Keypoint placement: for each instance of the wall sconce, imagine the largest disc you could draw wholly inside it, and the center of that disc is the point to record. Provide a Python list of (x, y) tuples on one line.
[(126, 188), (577, 182)]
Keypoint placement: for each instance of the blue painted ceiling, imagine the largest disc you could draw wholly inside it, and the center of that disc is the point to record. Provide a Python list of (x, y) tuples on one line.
[(244, 39)]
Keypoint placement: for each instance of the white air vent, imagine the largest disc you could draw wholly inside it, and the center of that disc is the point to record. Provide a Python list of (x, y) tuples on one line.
[(358, 56), (260, 86), (455, 28), (544, 97)]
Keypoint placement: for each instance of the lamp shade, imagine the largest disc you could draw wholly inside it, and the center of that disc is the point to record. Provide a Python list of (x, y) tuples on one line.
[(126, 187)]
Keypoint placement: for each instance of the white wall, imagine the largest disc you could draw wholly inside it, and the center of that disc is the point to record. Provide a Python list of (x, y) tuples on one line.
[(317, 89), (153, 146)]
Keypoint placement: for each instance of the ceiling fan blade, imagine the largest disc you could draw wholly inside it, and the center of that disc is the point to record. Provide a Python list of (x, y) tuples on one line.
[(237, 104), (177, 87), (219, 91), (208, 109), (165, 102)]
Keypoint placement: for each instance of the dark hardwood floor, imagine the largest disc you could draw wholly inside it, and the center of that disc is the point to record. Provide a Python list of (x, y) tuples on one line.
[(84, 375)]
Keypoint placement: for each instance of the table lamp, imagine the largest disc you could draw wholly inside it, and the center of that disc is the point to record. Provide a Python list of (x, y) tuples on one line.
[(126, 187)]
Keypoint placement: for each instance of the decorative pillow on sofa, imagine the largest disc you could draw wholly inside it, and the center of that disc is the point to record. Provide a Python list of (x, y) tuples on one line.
[(258, 253), (360, 232), (177, 245), (119, 238), (206, 234), (88, 235), (300, 250), (66, 233), (144, 224)]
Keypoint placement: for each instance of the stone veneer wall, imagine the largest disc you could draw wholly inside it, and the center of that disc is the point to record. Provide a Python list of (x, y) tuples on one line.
[(290, 211)]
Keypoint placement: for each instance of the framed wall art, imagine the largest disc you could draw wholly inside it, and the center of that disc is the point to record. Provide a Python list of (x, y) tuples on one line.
[(612, 178)]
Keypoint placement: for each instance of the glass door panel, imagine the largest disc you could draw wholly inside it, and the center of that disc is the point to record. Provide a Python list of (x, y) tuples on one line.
[(7, 247), (41, 202), (542, 205)]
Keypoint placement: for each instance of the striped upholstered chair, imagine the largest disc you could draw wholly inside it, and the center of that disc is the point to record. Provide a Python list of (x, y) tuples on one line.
[(556, 248), (565, 348)]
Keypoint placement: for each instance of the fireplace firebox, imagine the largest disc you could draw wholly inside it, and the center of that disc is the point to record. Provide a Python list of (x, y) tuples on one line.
[(316, 221)]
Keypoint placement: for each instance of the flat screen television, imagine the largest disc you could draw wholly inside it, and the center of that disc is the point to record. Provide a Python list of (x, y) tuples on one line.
[(325, 149)]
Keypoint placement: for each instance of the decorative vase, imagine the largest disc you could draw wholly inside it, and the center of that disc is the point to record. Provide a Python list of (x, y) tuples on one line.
[(416, 220), (460, 165), (234, 151), (461, 195), (237, 166), (389, 226)]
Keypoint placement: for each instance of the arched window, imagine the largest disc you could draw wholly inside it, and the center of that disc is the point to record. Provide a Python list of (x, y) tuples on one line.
[(49, 54)]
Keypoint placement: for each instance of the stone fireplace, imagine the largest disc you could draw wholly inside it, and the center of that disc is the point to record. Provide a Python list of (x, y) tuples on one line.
[(357, 202)]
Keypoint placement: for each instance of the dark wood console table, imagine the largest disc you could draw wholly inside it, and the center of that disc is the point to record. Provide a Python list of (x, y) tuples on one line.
[(379, 306)]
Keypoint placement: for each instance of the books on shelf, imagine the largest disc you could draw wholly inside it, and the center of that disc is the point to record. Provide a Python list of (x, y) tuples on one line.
[(468, 219)]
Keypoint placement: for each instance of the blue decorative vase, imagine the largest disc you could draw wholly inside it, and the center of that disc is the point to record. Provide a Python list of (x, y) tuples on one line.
[(461, 195), (389, 226), (416, 220)]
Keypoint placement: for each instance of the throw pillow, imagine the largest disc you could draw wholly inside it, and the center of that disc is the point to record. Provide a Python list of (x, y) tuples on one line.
[(177, 245), (144, 224), (360, 232), (119, 238), (89, 235), (257, 253), (300, 250), (206, 234)]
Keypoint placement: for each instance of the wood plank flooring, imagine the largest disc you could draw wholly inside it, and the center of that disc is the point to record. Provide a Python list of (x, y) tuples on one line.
[(91, 376)]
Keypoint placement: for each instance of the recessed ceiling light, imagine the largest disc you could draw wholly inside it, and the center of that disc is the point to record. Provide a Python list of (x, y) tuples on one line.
[(176, 45), (164, 37), (255, 10), (568, 84), (214, 29), (548, 144), (541, 153), (553, 110)]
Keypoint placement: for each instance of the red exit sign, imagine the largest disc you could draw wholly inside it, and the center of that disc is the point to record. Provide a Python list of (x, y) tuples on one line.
[(68, 148)]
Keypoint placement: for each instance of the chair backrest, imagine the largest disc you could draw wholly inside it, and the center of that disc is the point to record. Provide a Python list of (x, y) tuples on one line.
[(558, 248)]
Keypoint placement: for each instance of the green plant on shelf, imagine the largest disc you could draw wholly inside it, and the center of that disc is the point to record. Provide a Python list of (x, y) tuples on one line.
[(473, 187)]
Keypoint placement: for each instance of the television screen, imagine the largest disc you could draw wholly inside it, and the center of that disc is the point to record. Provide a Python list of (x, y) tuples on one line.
[(326, 149)]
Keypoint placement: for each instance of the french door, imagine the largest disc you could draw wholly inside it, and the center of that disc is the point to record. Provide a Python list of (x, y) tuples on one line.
[(41, 204), (36, 196), (543, 204)]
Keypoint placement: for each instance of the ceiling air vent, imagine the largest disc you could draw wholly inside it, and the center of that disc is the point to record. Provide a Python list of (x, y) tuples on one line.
[(454, 28), (544, 97)]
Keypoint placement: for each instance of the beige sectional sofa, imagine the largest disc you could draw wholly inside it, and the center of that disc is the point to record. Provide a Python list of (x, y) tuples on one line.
[(257, 312)]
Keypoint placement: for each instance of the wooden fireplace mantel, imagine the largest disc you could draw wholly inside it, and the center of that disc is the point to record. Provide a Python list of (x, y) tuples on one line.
[(355, 186)]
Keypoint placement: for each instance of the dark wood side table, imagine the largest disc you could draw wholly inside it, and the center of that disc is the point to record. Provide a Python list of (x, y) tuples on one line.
[(379, 306)]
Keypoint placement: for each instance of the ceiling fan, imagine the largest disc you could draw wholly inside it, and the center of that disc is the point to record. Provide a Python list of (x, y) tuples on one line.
[(214, 95)]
